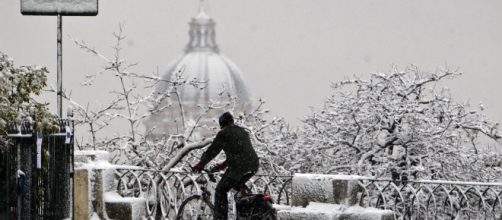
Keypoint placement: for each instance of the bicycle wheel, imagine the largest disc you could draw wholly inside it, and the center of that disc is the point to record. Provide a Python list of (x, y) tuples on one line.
[(195, 208)]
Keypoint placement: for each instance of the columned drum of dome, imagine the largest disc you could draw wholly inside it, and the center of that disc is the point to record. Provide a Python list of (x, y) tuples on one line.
[(202, 61)]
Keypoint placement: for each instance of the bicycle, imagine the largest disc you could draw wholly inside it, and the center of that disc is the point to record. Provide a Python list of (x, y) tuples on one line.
[(248, 206)]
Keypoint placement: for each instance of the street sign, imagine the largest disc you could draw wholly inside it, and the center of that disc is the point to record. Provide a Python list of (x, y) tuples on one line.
[(60, 7)]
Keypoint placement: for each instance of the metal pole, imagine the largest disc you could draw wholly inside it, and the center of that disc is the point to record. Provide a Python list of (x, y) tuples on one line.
[(60, 67)]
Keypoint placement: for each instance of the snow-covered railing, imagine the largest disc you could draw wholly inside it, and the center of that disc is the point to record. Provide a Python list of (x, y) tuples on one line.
[(164, 191), (433, 199)]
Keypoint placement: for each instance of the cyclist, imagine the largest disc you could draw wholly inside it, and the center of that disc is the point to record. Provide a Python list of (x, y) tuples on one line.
[(241, 163)]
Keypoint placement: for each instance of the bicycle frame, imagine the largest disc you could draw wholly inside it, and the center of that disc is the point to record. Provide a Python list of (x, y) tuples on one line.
[(242, 192)]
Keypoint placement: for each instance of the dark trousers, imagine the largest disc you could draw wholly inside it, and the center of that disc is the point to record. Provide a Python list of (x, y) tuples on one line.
[(220, 198)]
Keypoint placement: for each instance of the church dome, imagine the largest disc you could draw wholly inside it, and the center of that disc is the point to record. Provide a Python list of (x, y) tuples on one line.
[(203, 62), (219, 79)]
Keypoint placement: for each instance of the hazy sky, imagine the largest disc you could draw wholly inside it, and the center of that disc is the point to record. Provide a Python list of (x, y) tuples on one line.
[(288, 50)]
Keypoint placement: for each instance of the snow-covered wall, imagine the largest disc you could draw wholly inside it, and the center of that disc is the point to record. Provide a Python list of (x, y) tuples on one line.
[(95, 189), (328, 197), (334, 189)]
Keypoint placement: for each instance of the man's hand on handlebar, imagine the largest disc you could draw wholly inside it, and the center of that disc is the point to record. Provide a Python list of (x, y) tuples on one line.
[(198, 167), (218, 167)]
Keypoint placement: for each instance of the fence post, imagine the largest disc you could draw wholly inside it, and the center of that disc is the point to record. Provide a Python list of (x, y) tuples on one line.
[(23, 173)]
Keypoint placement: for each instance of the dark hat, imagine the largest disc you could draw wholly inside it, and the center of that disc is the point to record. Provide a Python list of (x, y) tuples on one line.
[(226, 119)]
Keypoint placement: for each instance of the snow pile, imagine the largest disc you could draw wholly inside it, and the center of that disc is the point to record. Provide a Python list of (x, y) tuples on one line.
[(323, 211)]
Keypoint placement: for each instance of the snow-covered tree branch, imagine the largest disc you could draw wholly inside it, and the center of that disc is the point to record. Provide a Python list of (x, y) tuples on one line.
[(401, 120), (132, 105)]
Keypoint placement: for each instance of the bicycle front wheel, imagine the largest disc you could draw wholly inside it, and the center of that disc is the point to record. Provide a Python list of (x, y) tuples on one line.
[(195, 208)]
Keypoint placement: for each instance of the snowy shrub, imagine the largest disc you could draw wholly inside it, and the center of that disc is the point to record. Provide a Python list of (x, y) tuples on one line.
[(398, 120), (18, 85)]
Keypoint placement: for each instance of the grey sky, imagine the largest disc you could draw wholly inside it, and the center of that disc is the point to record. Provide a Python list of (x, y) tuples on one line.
[(289, 50)]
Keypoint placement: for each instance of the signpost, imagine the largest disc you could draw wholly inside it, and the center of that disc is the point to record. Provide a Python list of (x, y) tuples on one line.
[(60, 8)]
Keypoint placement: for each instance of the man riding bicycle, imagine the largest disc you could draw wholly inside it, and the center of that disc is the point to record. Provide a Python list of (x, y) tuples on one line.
[(241, 163)]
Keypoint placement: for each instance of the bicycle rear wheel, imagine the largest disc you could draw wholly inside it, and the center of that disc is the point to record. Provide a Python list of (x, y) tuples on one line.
[(195, 208)]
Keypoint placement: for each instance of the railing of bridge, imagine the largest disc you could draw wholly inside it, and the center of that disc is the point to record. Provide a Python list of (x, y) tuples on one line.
[(164, 191), (433, 199)]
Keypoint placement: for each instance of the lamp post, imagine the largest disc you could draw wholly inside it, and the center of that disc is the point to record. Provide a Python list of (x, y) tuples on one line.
[(59, 8)]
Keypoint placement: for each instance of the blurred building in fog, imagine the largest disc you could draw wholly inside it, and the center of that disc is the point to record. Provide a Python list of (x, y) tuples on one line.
[(202, 62)]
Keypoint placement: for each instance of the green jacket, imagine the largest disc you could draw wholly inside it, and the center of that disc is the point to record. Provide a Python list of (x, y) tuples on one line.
[(241, 156)]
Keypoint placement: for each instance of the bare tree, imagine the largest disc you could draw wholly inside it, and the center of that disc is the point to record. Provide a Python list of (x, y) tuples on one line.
[(132, 105)]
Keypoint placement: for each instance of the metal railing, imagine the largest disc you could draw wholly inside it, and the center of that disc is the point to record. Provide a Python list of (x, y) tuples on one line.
[(433, 199), (164, 191)]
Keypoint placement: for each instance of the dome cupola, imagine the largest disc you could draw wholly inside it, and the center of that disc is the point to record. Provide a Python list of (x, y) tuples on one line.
[(202, 62), (202, 33)]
